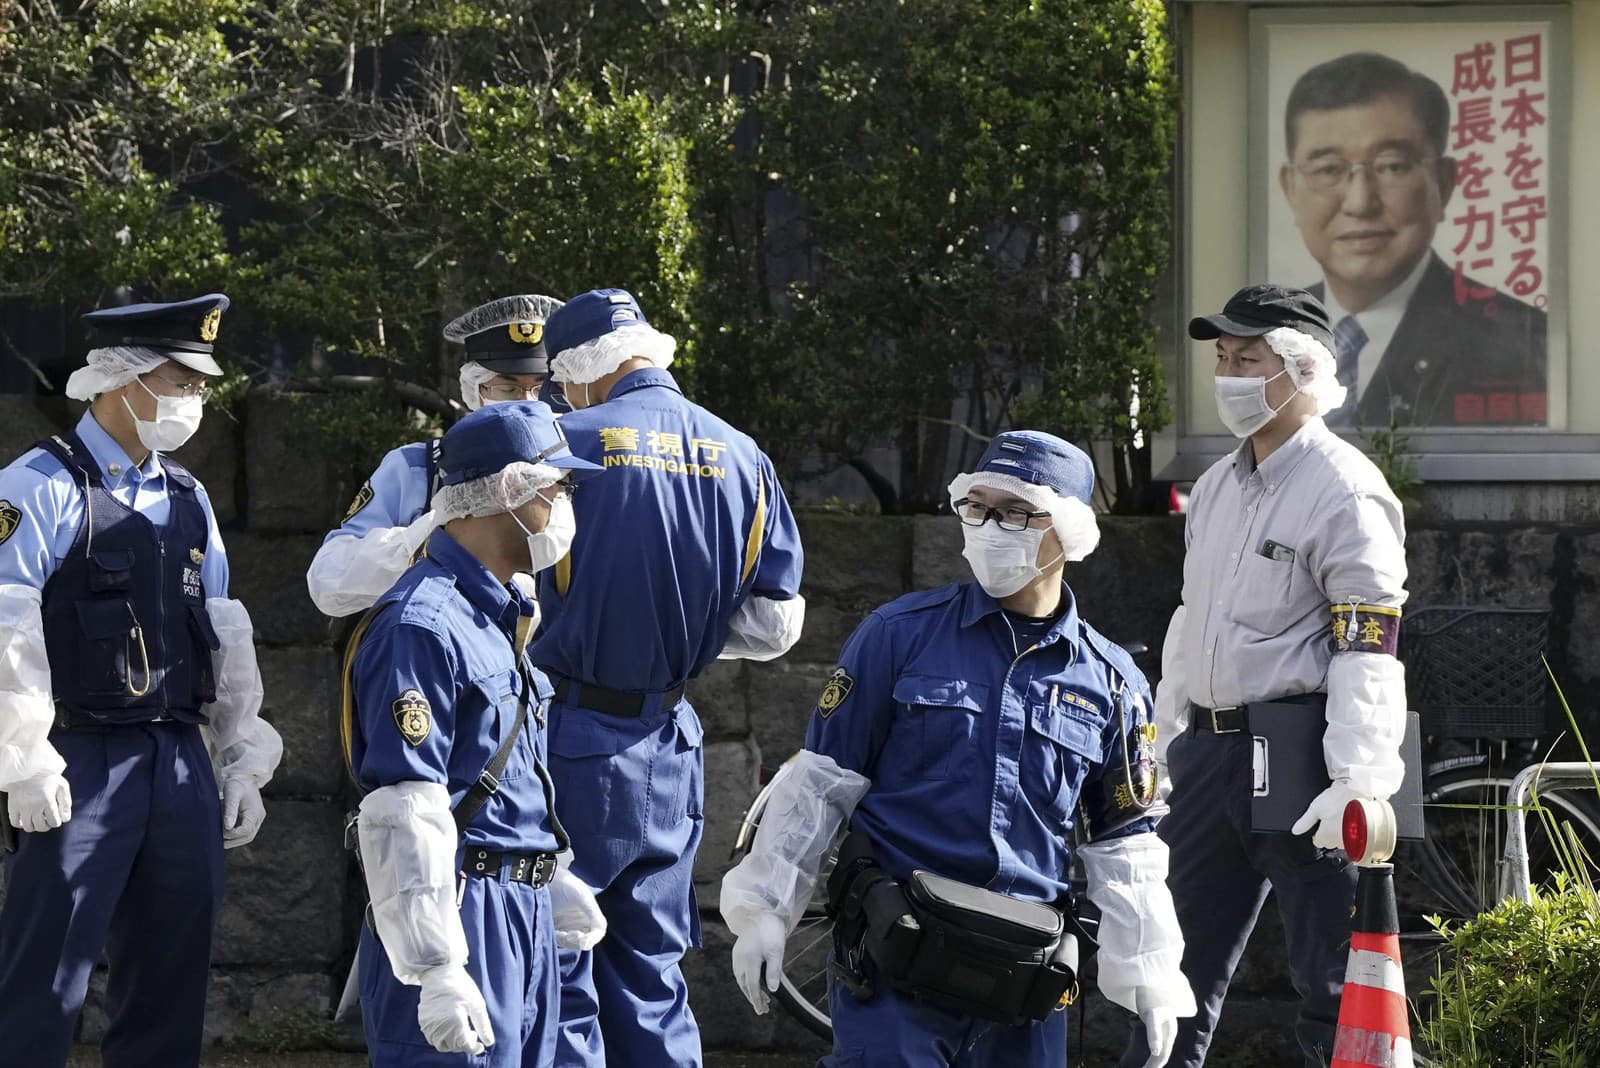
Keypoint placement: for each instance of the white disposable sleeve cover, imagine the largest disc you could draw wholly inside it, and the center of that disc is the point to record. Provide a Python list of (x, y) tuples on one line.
[(764, 629), (241, 743), (408, 849), (809, 803), (1172, 695), (27, 708), (1366, 722), (350, 573), (1141, 945)]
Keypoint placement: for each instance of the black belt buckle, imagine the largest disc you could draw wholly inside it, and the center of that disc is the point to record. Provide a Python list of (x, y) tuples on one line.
[(1217, 728)]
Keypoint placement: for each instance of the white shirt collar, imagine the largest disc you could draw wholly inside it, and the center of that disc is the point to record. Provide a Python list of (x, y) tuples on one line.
[(1379, 322)]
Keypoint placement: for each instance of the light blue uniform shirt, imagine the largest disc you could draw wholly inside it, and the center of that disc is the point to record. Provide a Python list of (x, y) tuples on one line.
[(395, 495), (50, 506)]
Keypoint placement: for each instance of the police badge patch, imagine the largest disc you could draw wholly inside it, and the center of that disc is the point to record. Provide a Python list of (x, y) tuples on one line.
[(363, 498), (10, 519), (833, 694), (413, 716)]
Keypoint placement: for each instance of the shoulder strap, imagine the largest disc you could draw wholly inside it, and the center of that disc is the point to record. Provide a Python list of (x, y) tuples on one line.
[(73, 455), (178, 473), (347, 701)]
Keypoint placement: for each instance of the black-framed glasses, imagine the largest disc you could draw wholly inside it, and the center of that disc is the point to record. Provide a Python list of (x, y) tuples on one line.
[(201, 389), (566, 487), (976, 514), (1389, 169)]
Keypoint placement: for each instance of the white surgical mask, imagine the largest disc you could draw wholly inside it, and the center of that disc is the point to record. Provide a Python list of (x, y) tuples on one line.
[(554, 541), (177, 418), (1242, 403), (1003, 561)]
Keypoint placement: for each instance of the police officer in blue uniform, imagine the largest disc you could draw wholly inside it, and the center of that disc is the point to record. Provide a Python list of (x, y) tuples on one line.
[(445, 731), (503, 360), (686, 550), (127, 664), (972, 732)]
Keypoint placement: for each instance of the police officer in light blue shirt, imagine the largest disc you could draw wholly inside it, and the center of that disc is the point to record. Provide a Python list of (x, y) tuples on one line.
[(446, 734), (129, 700), (686, 550), (963, 733), (504, 360)]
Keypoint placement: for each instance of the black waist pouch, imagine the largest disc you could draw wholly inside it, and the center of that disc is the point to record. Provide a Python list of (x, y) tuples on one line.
[(963, 948)]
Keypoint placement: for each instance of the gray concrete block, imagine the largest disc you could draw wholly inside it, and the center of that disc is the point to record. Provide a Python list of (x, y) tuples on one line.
[(782, 696), (292, 484), (936, 552), (24, 420), (212, 456), (285, 898), (302, 702), (718, 696), (850, 558), (827, 627), (1509, 569), (731, 784), (268, 573)]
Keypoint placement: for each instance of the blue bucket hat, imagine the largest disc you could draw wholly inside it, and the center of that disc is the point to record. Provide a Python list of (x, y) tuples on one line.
[(497, 435), (1042, 460)]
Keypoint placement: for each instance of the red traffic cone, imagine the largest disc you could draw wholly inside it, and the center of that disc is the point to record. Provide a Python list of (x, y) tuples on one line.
[(1374, 1029)]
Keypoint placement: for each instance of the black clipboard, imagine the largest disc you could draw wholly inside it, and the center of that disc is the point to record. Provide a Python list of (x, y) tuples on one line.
[(1289, 769)]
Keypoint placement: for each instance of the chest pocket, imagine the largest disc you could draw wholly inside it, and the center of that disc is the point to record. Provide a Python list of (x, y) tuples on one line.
[(936, 722), (501, 692), (1271, 594), (1063, 745)]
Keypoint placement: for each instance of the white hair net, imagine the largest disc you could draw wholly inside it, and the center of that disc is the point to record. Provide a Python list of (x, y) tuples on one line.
[(1072, 519), (1311, 367), (111, 368), (474, 376), (598, 357), (530, 307), (510, 489)]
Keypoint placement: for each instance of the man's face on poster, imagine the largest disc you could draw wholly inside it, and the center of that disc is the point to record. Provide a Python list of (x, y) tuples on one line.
[(1367, 190)]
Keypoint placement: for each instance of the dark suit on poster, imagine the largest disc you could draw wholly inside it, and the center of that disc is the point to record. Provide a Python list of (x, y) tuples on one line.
[(1452, 364)]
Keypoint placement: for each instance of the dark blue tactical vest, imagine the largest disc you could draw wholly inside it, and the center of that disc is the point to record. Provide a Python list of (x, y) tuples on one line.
[(125, 621)]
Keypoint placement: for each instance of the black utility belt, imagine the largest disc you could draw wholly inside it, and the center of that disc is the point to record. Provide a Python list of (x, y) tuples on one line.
[(77, 719), (611, 702), (535, 869), (1235, 719), (952, 945)]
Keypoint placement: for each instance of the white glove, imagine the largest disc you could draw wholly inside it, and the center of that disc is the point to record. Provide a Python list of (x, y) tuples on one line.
[(1326, 813), (1160, 1033), (761, 945), (242, 811), (41, 803), (578, 920), (451, 1012)]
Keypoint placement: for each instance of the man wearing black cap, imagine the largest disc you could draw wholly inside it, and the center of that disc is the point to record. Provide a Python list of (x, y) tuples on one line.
[(127, 665), (503, 359), (1292, 589)]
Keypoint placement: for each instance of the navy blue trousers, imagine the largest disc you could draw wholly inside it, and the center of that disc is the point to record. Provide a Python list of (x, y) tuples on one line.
[(1220, 875), (892, 1031), (137, 873), (630, 792), (511, 955)]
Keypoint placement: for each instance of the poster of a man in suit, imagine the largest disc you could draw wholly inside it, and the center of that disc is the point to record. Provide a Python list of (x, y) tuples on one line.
[(1418, 208)]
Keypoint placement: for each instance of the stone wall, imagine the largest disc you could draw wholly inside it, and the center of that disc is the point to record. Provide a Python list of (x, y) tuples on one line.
[(287, 931)]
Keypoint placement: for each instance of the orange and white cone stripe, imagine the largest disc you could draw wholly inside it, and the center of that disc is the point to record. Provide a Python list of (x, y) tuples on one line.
[(1374, 1031)]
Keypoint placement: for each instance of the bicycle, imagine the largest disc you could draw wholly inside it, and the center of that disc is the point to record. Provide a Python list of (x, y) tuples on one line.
[(1489, 707)]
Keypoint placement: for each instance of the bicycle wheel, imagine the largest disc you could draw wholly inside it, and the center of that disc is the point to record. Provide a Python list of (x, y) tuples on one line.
[(1455, 870), (803, 987)]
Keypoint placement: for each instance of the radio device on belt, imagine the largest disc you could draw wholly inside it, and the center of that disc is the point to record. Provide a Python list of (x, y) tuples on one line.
[(958, 947)]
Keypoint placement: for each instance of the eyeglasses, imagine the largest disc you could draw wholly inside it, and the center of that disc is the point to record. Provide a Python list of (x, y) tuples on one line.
[(511, 393), (201, 389), (976, 514), (565, 488), (1331, 174)]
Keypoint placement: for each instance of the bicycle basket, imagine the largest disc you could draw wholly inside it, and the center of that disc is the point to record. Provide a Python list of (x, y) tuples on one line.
[(1476, 672)]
